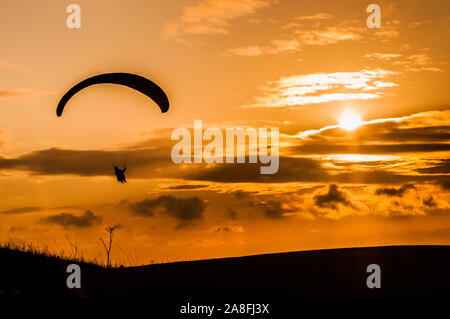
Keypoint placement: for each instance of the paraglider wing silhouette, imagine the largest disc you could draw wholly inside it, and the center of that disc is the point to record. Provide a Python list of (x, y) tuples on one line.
[(133, 81)]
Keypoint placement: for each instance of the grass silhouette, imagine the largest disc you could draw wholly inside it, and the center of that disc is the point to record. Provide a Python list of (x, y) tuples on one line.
[(30, 248)]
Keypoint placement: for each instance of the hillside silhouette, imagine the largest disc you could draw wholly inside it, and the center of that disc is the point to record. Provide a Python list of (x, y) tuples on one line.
[(407, 272)]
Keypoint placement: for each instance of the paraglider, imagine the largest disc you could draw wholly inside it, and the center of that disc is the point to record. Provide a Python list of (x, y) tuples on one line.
[(136, 82)]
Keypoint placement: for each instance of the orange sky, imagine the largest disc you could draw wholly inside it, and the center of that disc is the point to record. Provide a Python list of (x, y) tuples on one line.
[(295, 65)]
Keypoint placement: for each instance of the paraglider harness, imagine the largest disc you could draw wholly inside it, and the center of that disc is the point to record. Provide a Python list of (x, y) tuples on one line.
[(120, 173)]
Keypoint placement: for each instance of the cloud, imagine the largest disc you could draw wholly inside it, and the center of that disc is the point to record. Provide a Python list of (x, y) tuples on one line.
[(21, 210), (329, 35), (332, 198), (300, 169), (432, 69), (247, 51), (5, 138), (93, 163), (145, 207), (388, 143), (14, 229), (185, 210), (419, 62), (419, 23), (399, 192), (12, 66), (420, 132), (68, 220), (316, 16), (21, 93), (442, 167), (298, 90), (419, 59), (445, 183), (429, 201), (425, 126), (380, 176), (273, 209), (387, 32), (229, 229), (211, 17), (241, 194), (88, 162), (330, 148), (383, 56), (291, 169), (186, 187), (2, 142), (277, 46), (232, 214), (299, 37)]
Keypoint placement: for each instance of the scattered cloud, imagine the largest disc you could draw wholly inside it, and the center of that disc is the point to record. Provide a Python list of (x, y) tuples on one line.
[(211, 17), (291, 169), (383, 56), (185, 210), (299, 37), (419, 62), (429, 201), (277, 46), (387, 32), (298, 90), (399, 192), (445, 183), (21, 210), (247, 51), (12, 66), (332, 198), (419, 59), (329, 35), (316, 16), (303, 170), (441, 167), (84, 162), (420, 132), (382, 149), (18, 229), (232, 214), (240, 194), (186, 187), (419, 23), (21, 93), (68, 220), (229, 229), (309, 156), (273, 209)]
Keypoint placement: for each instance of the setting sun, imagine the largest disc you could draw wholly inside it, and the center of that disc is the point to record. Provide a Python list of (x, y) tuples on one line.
[(349, 121)]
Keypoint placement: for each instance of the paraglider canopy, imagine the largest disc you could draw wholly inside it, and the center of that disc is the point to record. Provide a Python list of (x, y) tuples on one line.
[(133, 81)]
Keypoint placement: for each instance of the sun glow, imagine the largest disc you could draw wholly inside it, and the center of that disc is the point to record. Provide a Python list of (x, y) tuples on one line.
[(349, 121), (360, 158)]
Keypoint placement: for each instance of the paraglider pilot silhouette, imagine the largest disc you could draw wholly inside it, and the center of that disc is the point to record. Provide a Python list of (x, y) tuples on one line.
[(120, 173), (133, 81)]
